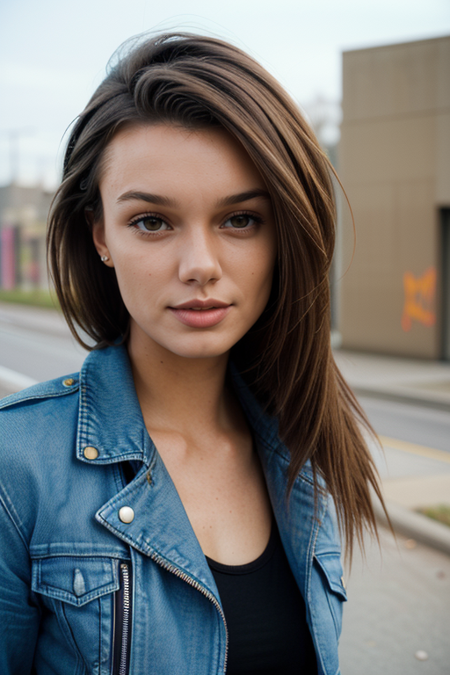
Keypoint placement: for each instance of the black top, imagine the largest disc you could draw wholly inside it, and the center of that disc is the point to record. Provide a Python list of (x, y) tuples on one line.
[(265, 615)]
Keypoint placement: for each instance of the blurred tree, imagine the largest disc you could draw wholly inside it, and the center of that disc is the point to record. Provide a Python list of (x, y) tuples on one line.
[(325, 116)]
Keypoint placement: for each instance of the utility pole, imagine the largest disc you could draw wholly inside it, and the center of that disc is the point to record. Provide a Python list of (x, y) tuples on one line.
[(14, 136)]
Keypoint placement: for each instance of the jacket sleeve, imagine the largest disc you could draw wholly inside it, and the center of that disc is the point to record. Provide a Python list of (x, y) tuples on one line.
[(19, 613)]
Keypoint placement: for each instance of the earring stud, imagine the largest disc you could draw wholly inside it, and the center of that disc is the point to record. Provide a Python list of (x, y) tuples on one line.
[(104, 258)]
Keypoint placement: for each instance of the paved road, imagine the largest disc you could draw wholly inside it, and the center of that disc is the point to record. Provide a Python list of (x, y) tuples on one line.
[(409, 422), (37, 343), (399, 604)]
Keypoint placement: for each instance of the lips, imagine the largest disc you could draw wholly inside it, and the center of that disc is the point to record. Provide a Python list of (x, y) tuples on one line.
[(201, 313), (201, 304)]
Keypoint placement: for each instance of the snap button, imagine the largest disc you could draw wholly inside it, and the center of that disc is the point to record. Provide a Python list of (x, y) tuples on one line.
[(68, 382), (126, 514), (90, 453)]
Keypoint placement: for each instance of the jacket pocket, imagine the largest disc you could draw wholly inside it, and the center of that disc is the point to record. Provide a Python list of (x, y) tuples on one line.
[(79, 593), (330, 569), (76, 580)]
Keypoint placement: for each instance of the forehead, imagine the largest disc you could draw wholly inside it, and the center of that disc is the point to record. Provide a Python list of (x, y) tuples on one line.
[(165, 154)]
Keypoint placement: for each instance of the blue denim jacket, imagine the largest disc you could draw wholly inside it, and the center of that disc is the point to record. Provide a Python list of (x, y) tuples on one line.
[(83, 592)]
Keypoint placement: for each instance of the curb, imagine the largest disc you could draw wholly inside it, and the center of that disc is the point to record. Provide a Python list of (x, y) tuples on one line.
[(414, 525)]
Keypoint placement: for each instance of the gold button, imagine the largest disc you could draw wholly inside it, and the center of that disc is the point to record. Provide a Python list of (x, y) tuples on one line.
[(126, 514), (90, 452), (69, 382)]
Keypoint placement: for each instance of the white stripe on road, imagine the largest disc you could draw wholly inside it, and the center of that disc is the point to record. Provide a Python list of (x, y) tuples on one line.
[(14, 381)]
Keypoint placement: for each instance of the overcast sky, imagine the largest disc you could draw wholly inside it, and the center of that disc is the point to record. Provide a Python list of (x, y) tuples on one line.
[(53, 53)]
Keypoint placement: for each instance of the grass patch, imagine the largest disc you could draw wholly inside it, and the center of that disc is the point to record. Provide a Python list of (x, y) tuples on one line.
[(440, 513), (36, 298)]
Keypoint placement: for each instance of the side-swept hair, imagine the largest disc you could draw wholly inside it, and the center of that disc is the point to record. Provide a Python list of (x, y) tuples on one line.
[(198, 82)]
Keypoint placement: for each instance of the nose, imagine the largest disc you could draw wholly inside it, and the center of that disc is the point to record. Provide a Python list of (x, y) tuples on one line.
[(199, 258)]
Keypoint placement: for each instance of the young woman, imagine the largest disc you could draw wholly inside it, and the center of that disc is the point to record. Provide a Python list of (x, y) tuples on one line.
[(173, 507)]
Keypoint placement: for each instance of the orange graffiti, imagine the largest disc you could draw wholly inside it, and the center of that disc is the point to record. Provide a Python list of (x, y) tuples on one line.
[(419, 299)]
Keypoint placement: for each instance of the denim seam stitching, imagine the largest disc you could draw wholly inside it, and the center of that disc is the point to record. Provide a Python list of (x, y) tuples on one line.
[(143, 547), (10, 516), (66, 596), (67, 631), (36, 397), (99, 634), (310, 561)]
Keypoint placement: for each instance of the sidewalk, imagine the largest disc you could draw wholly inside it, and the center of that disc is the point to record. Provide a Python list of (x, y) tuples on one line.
[(418, 381), (412, 476)]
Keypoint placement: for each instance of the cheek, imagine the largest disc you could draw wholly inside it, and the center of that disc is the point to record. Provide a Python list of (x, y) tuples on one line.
[(264, 263), (140, 275), (256, 275)]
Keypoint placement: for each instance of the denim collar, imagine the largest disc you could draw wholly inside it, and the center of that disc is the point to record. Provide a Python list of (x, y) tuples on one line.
[(111, 421), (110, 418)]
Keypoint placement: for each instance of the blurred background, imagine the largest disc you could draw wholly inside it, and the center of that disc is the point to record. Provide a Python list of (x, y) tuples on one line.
[(378, 110), (373, 79)]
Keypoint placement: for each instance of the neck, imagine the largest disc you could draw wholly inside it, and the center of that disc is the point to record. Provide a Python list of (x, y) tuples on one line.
[(178, 393)]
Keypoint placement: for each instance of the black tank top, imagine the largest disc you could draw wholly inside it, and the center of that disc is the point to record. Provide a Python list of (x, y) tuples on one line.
[(265, 615)]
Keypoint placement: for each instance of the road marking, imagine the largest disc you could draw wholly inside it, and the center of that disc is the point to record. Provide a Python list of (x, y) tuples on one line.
[(422, 450)]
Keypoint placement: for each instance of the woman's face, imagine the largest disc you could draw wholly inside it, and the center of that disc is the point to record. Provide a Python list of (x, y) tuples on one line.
[(188, 227)]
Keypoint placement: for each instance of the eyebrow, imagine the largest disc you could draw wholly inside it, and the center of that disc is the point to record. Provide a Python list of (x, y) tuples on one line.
[(133, 195), (244, 197)]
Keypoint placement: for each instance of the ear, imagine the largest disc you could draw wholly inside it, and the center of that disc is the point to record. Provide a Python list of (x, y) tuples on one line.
[(98, 237)]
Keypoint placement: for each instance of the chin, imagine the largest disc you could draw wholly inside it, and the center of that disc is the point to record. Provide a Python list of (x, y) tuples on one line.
[(205, 353), (200, 348)]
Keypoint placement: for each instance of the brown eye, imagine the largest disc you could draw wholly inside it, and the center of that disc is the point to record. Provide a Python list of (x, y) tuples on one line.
[(152, 223), (240, 221)]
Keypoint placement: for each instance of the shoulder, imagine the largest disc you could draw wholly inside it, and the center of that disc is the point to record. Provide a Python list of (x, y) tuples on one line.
[(57, 388), (37, 418), (38, 425)]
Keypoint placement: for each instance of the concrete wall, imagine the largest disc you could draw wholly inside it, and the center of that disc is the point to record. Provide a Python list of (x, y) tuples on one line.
[(394, 160)]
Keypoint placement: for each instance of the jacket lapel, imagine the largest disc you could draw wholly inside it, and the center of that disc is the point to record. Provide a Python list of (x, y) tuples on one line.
[(111, 421)]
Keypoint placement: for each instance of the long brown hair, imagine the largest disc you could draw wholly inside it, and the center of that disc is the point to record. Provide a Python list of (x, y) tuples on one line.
[(198, 82)]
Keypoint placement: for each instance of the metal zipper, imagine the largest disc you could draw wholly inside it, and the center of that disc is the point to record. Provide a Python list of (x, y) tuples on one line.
[(122, 623), (121, 647), (195, 584), (125, 619)]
